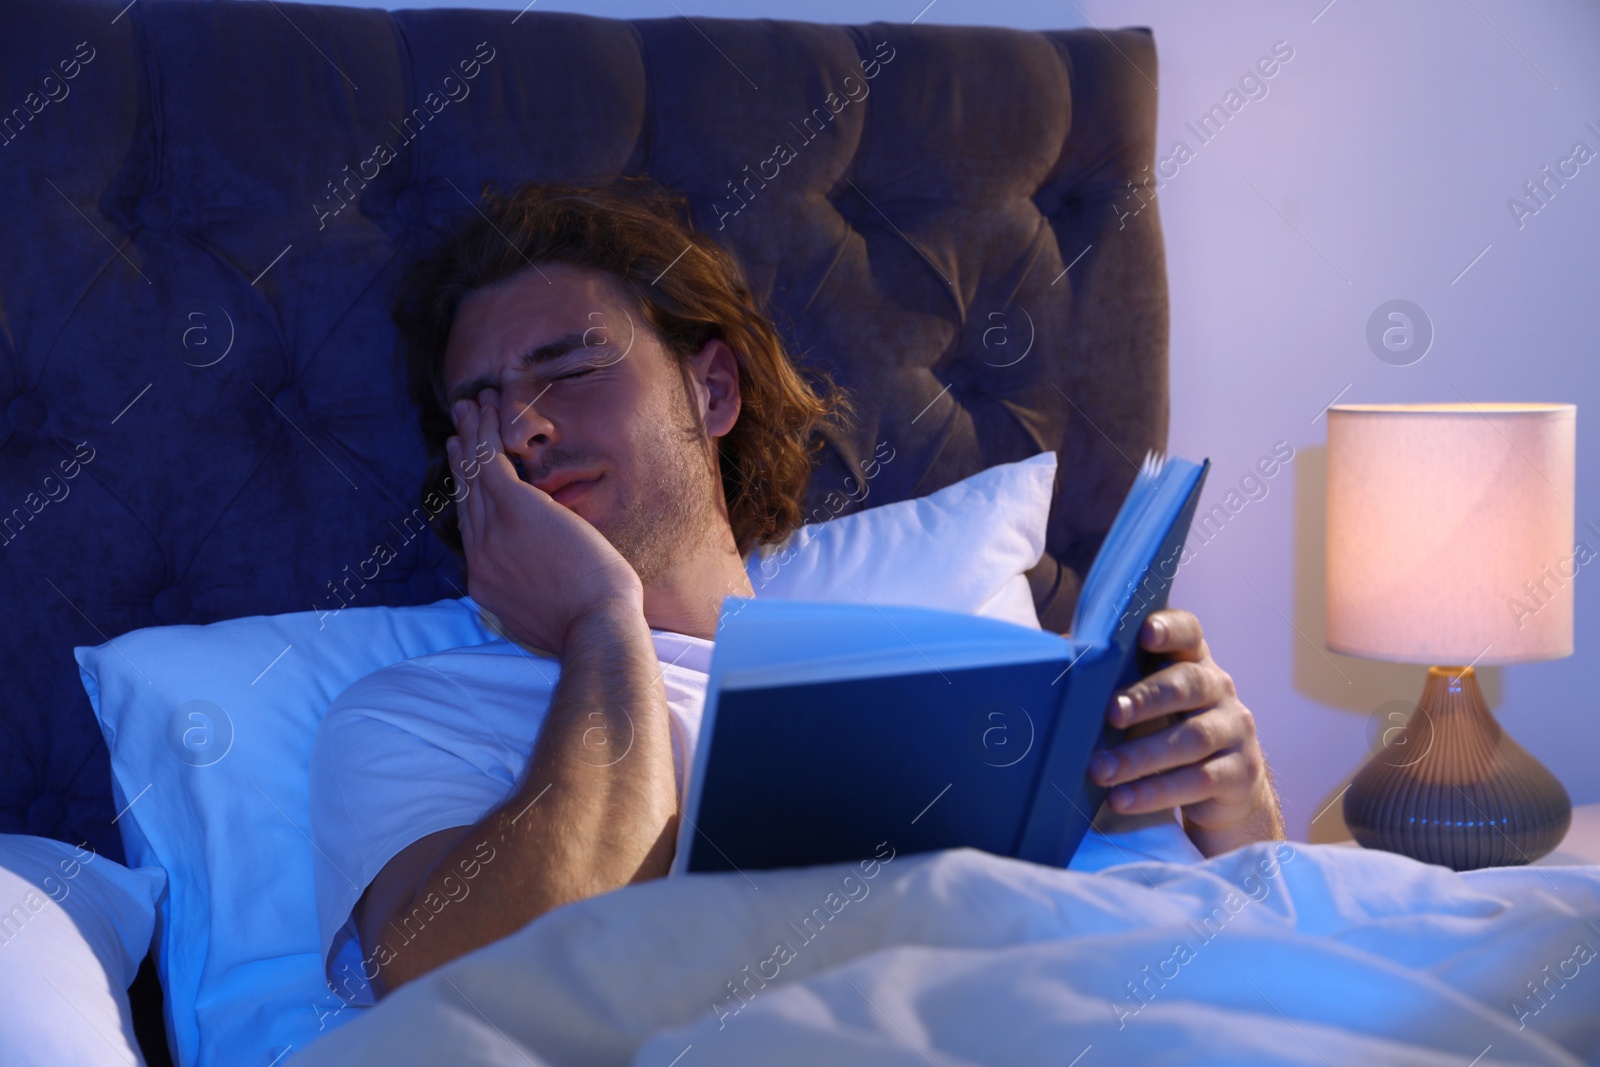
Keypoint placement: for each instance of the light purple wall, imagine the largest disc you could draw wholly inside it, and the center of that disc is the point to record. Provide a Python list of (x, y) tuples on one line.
[(1377, 166)]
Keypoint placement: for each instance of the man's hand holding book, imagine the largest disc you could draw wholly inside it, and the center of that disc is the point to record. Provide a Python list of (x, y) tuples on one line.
[(1190, 743)]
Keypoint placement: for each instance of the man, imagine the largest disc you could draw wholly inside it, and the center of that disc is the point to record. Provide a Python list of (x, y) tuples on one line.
[(627, 428)]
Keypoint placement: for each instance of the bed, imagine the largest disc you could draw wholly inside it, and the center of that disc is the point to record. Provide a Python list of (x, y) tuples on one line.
[(202, 234)]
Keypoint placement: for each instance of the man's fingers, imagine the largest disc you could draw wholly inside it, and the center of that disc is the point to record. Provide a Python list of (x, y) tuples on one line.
[(468, 464), (488, 424), (470, 471), (1174, 632), (1184, 686), (1189, 741), (452, 451), (493, 464), (466, 412), (1197, 783), (493, 469)]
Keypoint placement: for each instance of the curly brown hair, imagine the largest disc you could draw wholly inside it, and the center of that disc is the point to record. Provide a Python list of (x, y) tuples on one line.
[(633, 229)]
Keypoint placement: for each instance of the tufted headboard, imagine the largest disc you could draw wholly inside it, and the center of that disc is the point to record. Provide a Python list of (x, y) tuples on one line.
[(203, 415)]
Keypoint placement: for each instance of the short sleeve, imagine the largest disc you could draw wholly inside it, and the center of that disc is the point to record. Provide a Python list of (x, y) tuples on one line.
[(400, 754)]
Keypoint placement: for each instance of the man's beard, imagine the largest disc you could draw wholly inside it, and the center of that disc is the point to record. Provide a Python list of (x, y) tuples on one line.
[(669, 514)]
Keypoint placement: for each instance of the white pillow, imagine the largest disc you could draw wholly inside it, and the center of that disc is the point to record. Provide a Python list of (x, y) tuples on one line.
[(210, 731), (963, 548), (73, 929)]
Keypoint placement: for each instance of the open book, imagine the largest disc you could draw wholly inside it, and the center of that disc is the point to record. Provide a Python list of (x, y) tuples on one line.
[(830, 730)]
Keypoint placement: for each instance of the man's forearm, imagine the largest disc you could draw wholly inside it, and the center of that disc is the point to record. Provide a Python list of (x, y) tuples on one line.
[(595, 809)]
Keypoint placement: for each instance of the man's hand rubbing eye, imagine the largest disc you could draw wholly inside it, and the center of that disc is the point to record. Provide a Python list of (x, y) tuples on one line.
[(535, 565)]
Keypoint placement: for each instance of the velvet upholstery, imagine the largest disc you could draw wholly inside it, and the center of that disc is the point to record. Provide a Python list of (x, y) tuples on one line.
[(194, 290)]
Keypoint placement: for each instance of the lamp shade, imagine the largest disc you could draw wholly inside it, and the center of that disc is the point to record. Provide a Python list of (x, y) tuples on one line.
[(1450, 531)]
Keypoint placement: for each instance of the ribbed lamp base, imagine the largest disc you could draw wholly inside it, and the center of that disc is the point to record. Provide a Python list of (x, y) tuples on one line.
[(1459, 792)]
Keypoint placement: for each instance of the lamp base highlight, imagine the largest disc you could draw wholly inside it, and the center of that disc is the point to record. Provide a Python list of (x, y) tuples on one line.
[(1459, 791)]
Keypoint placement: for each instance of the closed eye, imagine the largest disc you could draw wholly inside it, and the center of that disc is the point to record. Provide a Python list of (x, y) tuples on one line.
[(576, 374)]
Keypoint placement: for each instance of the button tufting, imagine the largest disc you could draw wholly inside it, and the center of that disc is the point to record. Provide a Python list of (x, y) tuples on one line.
[(26, 413), (291, 404), (154, 211), (412, 204), (172, 606), (965, 377), (850, 204), (47, 814)]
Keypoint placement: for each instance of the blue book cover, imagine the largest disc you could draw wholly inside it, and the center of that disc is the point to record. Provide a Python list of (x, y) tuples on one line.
[(830, 730)]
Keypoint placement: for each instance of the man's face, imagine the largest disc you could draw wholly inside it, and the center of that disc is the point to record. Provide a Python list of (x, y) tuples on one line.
[(587, 391)]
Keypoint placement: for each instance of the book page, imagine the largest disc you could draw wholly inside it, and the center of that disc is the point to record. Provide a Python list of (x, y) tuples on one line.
[(779, 642)]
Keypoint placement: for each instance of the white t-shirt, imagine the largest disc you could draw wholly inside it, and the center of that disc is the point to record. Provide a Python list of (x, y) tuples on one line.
[(434, 743), (440, 741)]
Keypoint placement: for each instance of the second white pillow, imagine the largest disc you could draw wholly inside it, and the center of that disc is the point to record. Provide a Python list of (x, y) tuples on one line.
[(966, 547)]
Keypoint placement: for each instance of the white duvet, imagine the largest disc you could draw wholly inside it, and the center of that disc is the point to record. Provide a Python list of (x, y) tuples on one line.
[(1273, 954)]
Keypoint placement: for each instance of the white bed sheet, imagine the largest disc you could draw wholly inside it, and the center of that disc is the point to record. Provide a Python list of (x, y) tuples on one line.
[(1311, 955)]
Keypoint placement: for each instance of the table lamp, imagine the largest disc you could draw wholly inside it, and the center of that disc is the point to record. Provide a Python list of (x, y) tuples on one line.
[(1449, 526)]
